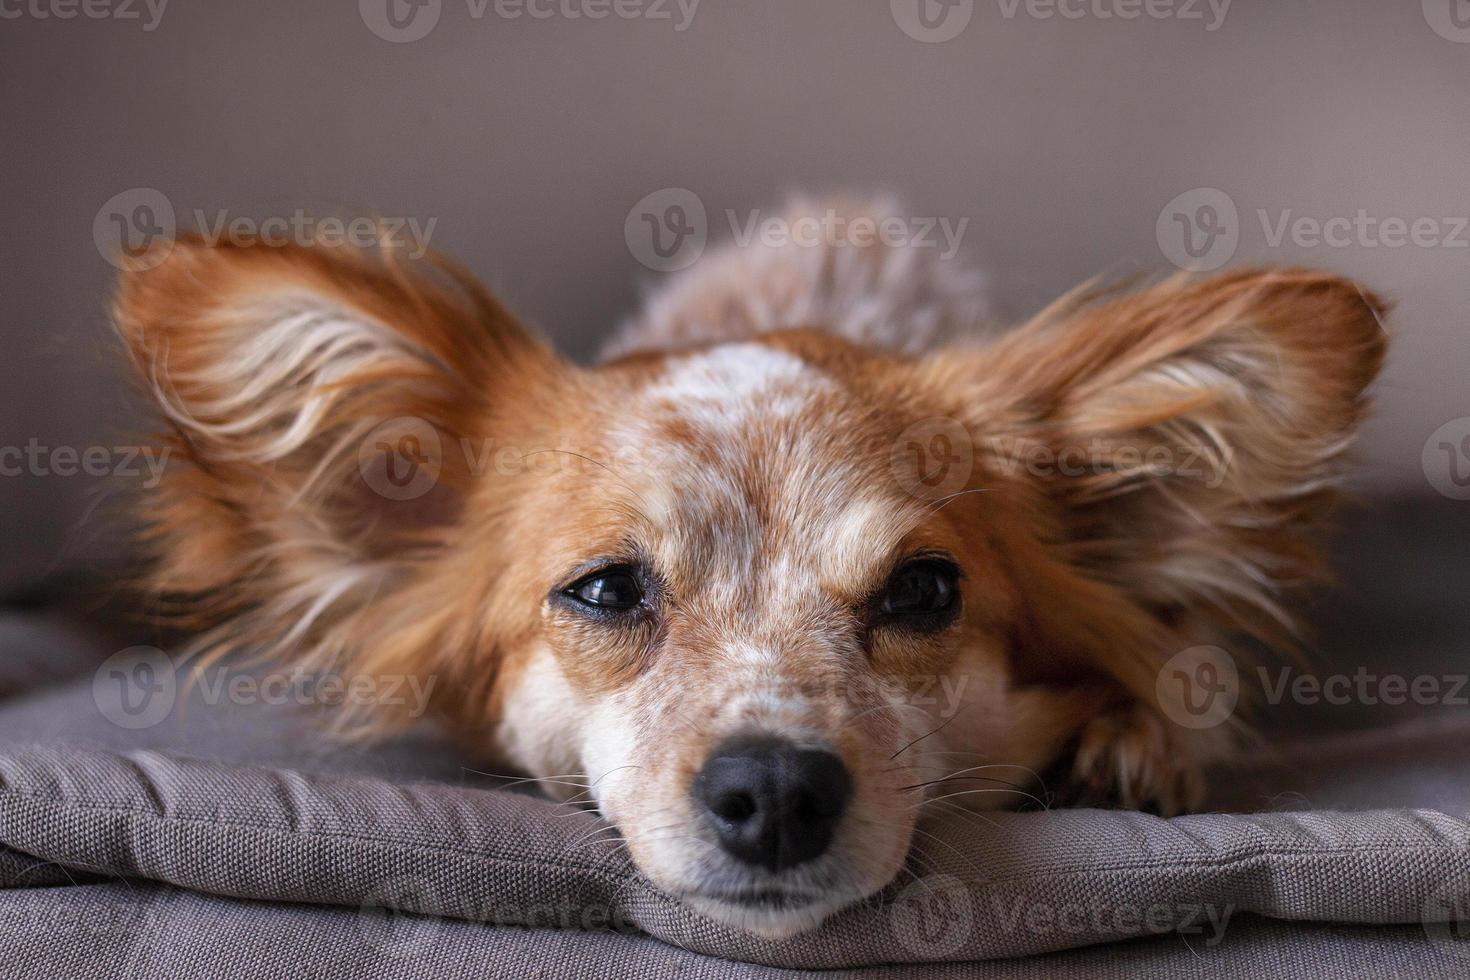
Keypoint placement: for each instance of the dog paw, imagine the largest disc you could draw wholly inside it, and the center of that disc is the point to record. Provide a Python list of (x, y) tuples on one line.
[(1130, 756)]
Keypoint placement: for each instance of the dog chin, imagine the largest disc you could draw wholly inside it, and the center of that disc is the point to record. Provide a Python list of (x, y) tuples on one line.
[(776, 917)]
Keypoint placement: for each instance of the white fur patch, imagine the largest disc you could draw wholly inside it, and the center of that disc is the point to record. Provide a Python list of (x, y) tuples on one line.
[(534, 723), (733, 383)]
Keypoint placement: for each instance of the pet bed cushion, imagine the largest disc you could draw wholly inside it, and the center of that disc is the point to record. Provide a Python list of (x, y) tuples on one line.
[(408, 827)]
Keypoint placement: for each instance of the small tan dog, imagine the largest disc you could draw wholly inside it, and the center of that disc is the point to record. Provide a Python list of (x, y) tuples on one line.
[(802, 557)]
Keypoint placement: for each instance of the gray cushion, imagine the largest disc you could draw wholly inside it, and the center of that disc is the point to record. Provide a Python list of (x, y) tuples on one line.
[(249, 800), (154, 931), (206, 724), (1005, 885)]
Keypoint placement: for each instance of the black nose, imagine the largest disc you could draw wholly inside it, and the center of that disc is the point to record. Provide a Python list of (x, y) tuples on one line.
[(772, 804)]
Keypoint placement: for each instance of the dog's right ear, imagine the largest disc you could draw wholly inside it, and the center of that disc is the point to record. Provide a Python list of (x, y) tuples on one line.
[(317, 397)]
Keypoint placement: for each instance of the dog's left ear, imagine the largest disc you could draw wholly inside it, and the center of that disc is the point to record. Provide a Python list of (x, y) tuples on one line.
[(1178, 441), (314, 395), (318, 401)]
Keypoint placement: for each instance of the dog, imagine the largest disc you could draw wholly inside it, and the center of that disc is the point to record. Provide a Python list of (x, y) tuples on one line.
[(811, 552)]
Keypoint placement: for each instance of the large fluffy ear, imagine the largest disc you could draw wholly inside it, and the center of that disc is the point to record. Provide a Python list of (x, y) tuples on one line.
[(1178, 443), (316, 396)]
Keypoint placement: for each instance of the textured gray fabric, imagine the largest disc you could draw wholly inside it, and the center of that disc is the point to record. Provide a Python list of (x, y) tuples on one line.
[(1007, 885), (260, 732), (309, 824), (140, 931)]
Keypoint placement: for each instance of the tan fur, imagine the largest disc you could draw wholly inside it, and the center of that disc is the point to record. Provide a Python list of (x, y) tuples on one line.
[(759, 469)]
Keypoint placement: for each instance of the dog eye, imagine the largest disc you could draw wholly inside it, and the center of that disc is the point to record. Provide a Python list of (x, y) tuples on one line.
[(612, 589), (921, 591)]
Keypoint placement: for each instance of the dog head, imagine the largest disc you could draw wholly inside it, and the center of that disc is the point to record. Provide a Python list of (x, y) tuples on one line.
[(764, 599)]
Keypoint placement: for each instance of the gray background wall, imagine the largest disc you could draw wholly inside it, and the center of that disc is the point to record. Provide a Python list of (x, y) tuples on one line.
[(528, 140)]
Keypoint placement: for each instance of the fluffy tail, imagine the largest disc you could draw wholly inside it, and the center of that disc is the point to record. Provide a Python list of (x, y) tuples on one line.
[(864, 270)]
